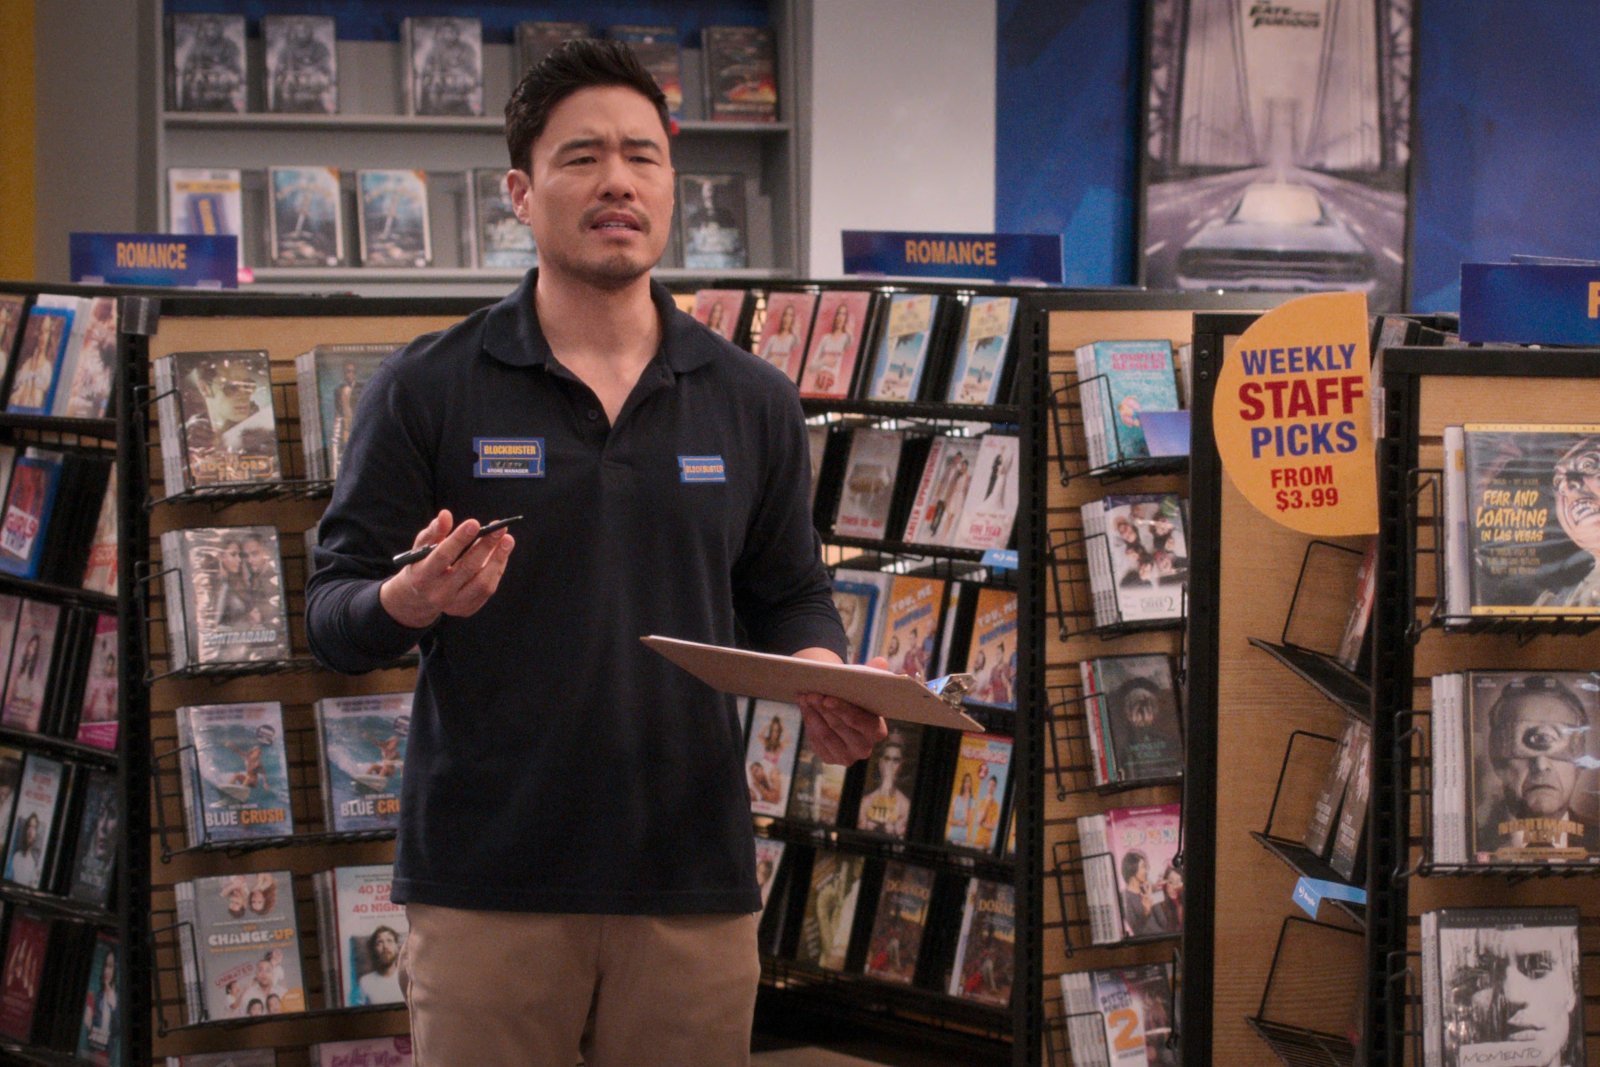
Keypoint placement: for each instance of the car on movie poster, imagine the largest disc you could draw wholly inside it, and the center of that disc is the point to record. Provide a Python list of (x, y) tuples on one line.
[(1276, 145)]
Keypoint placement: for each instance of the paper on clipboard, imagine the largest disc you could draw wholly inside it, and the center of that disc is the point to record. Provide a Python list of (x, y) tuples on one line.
[(784, 678)]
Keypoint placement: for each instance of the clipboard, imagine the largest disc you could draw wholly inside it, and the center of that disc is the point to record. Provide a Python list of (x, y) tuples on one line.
[(784, 678)]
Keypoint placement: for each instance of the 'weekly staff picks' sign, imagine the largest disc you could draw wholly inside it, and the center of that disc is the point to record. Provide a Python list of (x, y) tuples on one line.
[(1291, 416)]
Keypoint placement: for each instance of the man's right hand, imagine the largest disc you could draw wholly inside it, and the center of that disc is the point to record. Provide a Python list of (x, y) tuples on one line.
[(441, 584)]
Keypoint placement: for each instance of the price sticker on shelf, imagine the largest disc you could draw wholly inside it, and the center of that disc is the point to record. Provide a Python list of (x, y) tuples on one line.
[(1309, 893), (1292, 416)]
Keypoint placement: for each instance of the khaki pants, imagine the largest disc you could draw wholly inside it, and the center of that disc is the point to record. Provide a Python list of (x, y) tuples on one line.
[(514, 989)]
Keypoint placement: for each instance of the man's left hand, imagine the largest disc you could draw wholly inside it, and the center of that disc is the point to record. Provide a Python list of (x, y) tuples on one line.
[(840, 731)]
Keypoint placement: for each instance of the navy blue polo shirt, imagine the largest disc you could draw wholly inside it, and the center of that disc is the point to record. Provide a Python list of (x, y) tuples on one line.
[(555, 764)]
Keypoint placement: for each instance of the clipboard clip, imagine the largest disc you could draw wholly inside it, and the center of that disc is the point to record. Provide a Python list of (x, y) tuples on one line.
[(952, 688)]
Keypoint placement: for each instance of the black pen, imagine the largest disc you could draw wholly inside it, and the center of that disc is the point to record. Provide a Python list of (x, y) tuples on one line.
[(421, 551)]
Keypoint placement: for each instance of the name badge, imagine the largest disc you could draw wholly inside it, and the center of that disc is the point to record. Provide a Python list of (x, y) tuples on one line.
[(509, 457), (701, 469)]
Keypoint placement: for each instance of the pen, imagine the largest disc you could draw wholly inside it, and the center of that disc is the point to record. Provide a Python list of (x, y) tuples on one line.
[(421, 551)]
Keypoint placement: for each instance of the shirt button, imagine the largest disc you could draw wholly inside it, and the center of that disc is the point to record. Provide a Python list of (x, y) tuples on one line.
[(593, 414)]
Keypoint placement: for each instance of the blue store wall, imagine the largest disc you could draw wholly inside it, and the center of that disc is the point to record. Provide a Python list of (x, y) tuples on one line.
[(1506, 150), (364, 20), (1066, 129)]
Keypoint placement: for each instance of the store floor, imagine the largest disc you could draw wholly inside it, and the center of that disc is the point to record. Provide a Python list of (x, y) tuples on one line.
[(809, 1056), (863, 1054)]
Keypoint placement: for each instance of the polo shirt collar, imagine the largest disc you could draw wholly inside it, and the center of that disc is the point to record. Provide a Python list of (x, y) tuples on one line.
[(511, 331)]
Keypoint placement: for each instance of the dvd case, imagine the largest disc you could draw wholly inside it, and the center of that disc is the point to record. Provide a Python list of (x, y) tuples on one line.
[(331, 380), (393, 220), (657, 49), (897, 928), (830, 909), (769, 761), (444, 68), (363, 744), (206, 201), (741, 77), (980, 359), (224, 596), (902, 351), (500, 239), (244, 958), (306, 217), (711, 213), (217, 419), (889, 791), (978, 792), (785, 331), (302, 59), (985, 950), (207, 62), (536, 40), (836, 339), (234, 771)]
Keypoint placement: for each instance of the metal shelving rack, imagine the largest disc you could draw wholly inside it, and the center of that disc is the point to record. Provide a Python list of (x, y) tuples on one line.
[(1400, 849), (1018, 1037), (156, 1008), (982, 1033), (128, 913), (1236, 550)]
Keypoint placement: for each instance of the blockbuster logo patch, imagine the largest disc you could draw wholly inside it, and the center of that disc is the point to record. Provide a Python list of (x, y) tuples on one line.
[(509, 457), (701, 469)]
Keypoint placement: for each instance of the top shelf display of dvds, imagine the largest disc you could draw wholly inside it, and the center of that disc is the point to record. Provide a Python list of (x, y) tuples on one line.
[(247, 124), (446, 67), (267, 120)]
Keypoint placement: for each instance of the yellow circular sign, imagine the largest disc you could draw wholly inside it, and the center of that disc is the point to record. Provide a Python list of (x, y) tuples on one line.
[(1291, 415)]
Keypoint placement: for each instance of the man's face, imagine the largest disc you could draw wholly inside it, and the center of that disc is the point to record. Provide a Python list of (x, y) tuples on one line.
[(255, 554), (1140, 708), (264, 974), (1577, 487), (1526, 991), (233, 394), (385, 949), (1536, 767), (598, 195), (889, 761)]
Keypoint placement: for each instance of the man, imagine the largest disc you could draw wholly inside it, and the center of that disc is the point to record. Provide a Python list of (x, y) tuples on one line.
[(212, 71), (885, 808), (576, 845), (1511, 996), (1537, 730), (346, 395), (304, 74), (450, 82), (381, 985), (1576, 480)]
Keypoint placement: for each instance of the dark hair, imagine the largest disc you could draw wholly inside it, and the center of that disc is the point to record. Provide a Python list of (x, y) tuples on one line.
[(372, 938), (581, 64), (1130, 863)]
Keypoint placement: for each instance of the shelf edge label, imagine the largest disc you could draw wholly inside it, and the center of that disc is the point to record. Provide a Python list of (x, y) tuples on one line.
[(1309, 893), (1530, 303), (1000, 559), (204, 261), (1292, 416), (1000, 257)]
